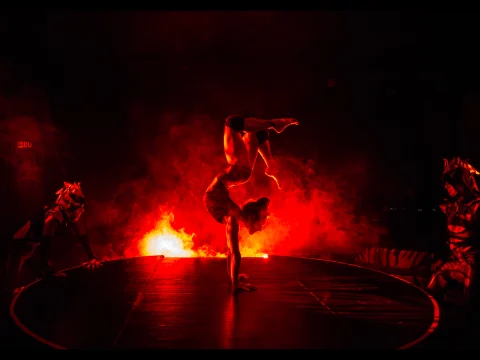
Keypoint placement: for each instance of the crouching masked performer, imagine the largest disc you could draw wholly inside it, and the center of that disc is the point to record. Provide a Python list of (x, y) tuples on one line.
[(463, 221), (33, 241)]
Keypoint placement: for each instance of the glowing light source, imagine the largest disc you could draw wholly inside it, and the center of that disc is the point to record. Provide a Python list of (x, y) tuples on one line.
[(165, 240), (24, 144)]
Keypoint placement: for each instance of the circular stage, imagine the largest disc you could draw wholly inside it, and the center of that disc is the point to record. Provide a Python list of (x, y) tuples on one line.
[(184, 303)]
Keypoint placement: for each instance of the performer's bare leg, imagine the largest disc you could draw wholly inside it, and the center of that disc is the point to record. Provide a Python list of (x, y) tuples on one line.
[(266, 153), (240, 157), (273, 167), (278, 125), (251, 143), (254, 148), (240, 160)]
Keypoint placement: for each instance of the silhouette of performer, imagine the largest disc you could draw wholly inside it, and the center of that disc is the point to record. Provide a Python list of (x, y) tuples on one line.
[(463, 221), (244, 138)]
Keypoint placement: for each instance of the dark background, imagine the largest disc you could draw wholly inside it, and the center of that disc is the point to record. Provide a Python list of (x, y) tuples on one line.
[(399, 88)]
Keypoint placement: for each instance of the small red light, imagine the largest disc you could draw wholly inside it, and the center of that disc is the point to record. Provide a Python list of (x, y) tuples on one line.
[(24, 144)]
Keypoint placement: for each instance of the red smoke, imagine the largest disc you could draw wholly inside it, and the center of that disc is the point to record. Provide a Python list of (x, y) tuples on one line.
[(313, 212)]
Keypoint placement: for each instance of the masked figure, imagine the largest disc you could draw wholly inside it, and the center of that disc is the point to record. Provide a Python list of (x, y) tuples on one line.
[(461, 210), (33, 241)]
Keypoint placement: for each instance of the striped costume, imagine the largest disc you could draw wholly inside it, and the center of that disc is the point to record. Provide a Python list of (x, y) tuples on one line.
[(463, 222)]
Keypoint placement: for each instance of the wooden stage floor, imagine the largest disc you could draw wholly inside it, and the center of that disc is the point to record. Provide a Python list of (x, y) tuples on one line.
[(184, 303)]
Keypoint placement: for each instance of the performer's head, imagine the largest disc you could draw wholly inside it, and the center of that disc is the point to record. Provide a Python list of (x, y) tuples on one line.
[(71, 199), (458, 178), (255, 214)]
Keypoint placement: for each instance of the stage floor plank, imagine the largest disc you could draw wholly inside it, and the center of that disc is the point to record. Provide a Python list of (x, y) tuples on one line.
[(184, 303)]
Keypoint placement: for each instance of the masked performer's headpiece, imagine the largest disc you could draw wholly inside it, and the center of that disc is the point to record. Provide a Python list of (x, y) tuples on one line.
[(457, 171), (71, 200)]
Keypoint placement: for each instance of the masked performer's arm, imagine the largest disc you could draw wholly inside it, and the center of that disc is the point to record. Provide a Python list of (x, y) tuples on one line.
[(53, 220), (80, 229)]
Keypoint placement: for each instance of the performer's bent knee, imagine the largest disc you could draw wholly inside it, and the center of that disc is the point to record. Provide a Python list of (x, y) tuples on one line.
[(236, 123)]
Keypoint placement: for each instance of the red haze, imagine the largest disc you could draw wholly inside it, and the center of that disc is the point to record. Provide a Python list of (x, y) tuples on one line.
[(314, 212)]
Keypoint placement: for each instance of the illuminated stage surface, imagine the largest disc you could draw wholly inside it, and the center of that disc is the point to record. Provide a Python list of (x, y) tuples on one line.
[(171, 303)]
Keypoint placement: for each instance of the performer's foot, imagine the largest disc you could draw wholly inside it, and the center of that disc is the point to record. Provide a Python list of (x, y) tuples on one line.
[(243, 277), (280, 124), (244, 288)]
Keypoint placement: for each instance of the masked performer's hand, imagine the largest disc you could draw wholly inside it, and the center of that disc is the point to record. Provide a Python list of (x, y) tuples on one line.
[(437, 265), (92, 264)]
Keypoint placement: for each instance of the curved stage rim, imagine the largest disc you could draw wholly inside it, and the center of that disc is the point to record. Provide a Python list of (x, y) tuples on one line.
[(184, 303)]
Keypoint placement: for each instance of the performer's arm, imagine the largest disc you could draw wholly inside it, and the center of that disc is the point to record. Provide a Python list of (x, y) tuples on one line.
[(80, 229), (51, 225)]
